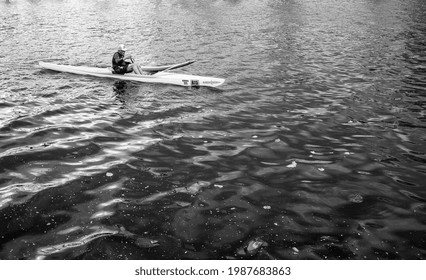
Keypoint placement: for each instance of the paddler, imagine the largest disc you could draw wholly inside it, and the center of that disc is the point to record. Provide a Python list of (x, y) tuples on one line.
[(120, 63)]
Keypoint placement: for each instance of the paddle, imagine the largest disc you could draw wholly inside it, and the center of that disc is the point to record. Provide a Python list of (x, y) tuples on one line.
[(135, 66), (176, 66)]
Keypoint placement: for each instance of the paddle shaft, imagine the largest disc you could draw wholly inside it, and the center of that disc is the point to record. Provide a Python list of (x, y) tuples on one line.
[(174, 66)]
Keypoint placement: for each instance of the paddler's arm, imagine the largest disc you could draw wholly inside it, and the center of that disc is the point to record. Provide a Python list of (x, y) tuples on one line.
[(118, 60)]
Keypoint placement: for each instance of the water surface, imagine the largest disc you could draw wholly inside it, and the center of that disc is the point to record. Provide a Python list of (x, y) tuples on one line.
[(314, 148)]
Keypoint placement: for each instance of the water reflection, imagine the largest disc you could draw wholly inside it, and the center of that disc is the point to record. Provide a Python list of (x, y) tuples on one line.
[(120, 91)]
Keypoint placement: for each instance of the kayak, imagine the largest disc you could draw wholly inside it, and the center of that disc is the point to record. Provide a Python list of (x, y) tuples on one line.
[(160, 77)]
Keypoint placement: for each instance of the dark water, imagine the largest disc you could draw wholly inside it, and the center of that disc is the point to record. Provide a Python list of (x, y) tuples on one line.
[(313, 149)]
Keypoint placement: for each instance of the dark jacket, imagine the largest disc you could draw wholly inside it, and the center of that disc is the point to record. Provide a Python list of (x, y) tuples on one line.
[(118, 63)]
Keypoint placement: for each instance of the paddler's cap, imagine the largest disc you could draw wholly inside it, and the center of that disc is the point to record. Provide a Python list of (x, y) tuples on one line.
[(122, 48)]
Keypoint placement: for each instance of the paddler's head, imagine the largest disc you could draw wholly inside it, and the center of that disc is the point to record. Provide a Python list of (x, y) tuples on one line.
[(122, 49)]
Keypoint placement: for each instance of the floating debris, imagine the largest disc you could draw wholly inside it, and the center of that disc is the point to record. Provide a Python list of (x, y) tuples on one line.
[(356, 198), (218, 186), (109, 174), (292, 165), (194, 188), (146, 242), (321, 169), (267, 207), (295, 250), (252, 247)]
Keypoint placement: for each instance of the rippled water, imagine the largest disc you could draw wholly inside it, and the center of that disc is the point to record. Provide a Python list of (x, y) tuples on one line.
[(313, 149)]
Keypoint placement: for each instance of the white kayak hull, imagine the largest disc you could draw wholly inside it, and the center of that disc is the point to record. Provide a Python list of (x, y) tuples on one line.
[(159, 77)]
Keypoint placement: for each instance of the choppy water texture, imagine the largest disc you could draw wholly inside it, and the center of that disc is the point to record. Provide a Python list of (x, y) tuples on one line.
[(313, 149)]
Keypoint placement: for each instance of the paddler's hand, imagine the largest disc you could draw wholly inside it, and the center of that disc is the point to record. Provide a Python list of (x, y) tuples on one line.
[(127, 57)]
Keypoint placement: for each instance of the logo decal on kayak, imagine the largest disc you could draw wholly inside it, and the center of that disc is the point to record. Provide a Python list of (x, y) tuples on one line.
[(193, 83), (212, 82)]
